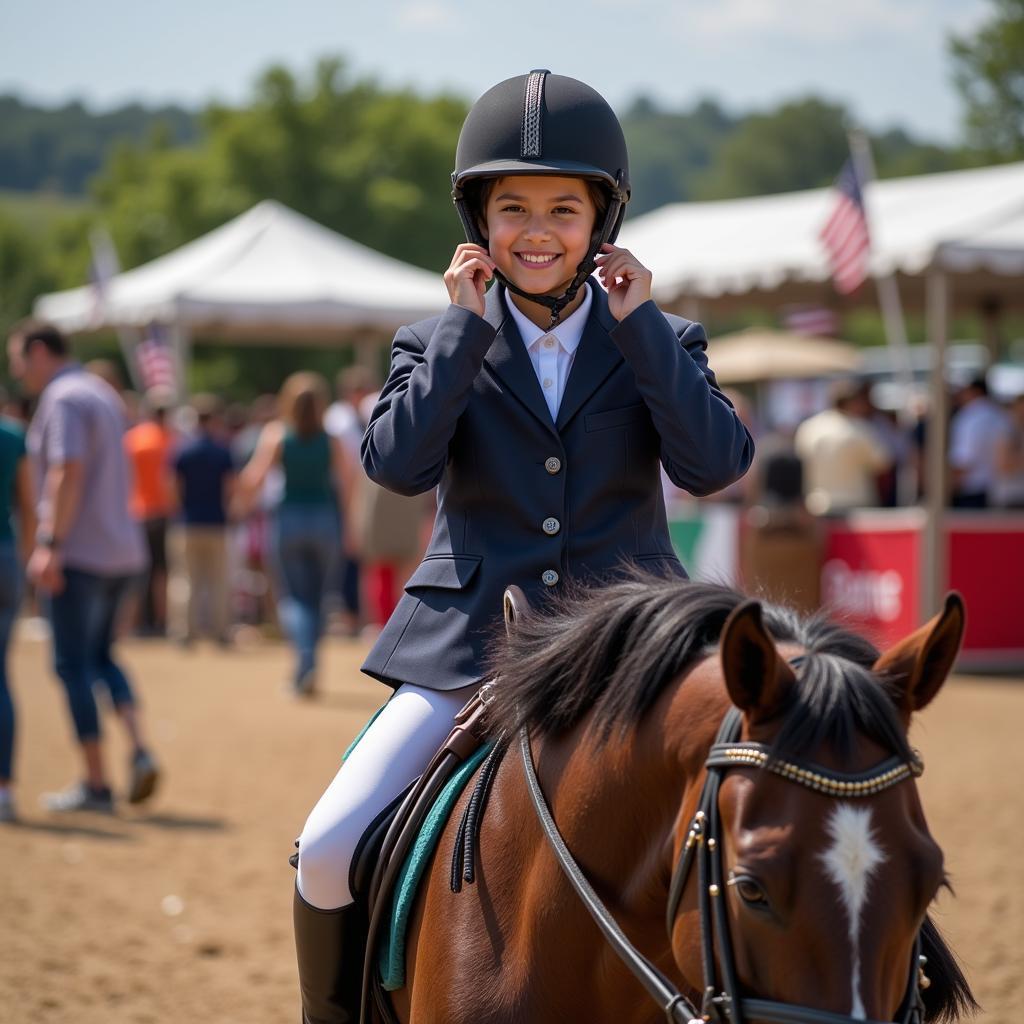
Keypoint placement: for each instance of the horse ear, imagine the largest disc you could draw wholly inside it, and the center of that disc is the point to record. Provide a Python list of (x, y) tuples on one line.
[(515, 606), (919, 664), (758, 680)]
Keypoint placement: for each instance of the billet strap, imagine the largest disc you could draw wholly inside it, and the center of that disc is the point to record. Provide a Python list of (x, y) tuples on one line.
[(676, 1007)]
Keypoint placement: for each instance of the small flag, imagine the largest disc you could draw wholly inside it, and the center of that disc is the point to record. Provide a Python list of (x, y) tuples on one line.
[(845, 235), (816, 321), (103, 268), (155, 360)]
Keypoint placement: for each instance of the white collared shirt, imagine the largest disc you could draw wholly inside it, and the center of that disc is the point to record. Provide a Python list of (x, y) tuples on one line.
[(552, 352)]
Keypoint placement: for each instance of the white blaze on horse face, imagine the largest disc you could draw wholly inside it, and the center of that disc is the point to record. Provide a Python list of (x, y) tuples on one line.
[(849, 862)]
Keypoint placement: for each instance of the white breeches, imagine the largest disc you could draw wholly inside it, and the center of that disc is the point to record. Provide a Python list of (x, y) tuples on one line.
[(393, 752)]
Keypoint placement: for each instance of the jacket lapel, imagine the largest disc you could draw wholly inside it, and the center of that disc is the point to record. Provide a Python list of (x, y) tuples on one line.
[(596, 357), (508, 359)]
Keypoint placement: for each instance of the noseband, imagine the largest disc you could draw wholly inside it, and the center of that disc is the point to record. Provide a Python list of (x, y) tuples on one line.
[(722, 1002)]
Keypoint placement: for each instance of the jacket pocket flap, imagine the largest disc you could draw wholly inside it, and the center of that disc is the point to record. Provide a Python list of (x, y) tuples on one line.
[(448, 572), (661, 564), (615, 417)]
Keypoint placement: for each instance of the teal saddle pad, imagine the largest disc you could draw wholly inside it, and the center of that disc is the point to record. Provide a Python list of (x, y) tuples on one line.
[(391, 958)]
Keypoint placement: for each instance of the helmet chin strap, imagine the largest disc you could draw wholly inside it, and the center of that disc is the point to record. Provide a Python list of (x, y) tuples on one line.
[(556, 304)]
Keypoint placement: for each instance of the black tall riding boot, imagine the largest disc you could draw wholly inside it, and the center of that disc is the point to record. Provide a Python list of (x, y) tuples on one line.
[(330, 945)]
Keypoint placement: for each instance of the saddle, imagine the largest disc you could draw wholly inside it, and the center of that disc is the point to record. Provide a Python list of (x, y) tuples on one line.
[(378, 864), (390, 838)]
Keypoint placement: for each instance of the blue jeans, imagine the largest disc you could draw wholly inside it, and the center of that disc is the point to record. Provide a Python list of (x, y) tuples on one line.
[(305, 546), (83, 615), (10, 595)]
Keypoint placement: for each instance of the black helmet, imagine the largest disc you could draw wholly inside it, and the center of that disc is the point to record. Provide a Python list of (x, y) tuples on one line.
[(542, 123)]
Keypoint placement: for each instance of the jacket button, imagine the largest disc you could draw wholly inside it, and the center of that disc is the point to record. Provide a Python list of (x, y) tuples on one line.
[(552, 465), (549, 577), (551, 526)]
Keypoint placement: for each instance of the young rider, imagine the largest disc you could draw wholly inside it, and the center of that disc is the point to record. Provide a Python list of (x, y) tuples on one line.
[(542, 409)]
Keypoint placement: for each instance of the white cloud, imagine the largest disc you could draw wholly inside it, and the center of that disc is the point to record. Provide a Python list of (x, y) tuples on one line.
[(807, 20), (426, 15)]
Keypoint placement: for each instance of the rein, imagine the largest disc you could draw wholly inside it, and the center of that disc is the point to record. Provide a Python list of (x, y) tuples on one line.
[(722, 1001)]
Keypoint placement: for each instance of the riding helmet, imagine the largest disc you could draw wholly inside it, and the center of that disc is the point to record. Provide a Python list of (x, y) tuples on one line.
[(542, 123)]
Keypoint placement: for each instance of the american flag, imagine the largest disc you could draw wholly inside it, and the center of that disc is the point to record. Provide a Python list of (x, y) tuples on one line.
[(817, 321), (845, 236), (155, 360)]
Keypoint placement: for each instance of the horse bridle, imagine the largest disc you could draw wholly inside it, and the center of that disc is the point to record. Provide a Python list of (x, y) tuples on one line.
[(722, 1002)]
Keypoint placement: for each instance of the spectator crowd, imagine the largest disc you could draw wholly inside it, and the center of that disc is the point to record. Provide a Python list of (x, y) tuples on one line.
[(202, 520)]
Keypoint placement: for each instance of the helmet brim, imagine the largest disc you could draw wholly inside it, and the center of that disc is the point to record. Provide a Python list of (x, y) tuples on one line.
[(550, 168)]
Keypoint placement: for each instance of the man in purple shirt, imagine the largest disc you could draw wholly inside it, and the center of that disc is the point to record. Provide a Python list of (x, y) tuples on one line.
[(88, 550)]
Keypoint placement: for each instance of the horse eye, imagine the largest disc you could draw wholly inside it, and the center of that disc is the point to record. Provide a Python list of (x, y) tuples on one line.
[(749, 889)]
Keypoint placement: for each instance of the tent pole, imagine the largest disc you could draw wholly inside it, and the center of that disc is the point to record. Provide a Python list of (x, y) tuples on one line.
[(128, 339), (181, 343), (367, 354), (690, 306), (892, 317), (989, 312), (934, 571)]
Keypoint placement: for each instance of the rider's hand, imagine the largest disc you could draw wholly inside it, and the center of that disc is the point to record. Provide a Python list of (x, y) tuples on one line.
[(628, 281), (466, 279)]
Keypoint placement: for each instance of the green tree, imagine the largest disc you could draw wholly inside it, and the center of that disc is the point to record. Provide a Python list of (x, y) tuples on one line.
[(800, 145), (23, 272), (60, 148), (989, 71), (371, 164), (668, 151), (897, 154)]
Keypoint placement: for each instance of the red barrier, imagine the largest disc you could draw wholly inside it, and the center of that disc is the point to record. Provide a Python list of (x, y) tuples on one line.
[(871, 577)]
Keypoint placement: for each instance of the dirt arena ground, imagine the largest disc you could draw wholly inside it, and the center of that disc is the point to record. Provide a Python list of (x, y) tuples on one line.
[(181, 912)]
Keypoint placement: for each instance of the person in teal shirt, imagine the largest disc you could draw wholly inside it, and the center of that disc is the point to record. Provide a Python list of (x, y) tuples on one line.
[(312, 519), (15, 498)]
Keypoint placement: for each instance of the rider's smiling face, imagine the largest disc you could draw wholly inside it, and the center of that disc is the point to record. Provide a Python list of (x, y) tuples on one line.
[(539, 229)]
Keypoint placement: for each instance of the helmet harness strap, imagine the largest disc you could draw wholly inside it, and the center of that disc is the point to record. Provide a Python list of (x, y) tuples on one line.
[(531, 148), (556, 304)]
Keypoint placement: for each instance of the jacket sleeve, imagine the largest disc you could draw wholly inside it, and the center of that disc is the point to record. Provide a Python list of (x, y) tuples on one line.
[(704, 445), (405, 446)]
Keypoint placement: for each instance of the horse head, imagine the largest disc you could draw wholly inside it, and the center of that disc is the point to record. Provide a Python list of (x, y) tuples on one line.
[(825, 858)]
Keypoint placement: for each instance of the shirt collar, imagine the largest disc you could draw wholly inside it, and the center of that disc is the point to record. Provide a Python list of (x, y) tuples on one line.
[(568, 332), (70, 367)]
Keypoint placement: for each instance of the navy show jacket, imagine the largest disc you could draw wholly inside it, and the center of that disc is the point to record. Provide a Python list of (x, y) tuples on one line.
[(521, 499)]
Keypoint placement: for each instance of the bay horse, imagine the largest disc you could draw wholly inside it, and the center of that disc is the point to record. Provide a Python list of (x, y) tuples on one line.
[(826, 867)]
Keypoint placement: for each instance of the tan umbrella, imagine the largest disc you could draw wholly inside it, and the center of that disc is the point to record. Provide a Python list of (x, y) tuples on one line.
[(763, 353)]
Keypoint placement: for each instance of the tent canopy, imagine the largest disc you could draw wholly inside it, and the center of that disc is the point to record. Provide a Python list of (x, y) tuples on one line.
[(270, 272), (969, 223), (760, 353)]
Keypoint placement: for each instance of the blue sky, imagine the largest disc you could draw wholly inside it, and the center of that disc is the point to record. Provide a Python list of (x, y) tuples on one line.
[(886, 59)]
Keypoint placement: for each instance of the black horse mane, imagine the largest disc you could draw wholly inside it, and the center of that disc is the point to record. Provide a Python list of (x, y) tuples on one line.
[(609, 652)]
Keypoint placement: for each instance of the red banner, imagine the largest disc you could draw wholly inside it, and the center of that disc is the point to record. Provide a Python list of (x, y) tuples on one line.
[(870, 580)]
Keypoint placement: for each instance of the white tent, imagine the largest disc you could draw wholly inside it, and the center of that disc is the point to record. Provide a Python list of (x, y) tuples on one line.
[(270, 273), (967, 223), (951, 241)]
